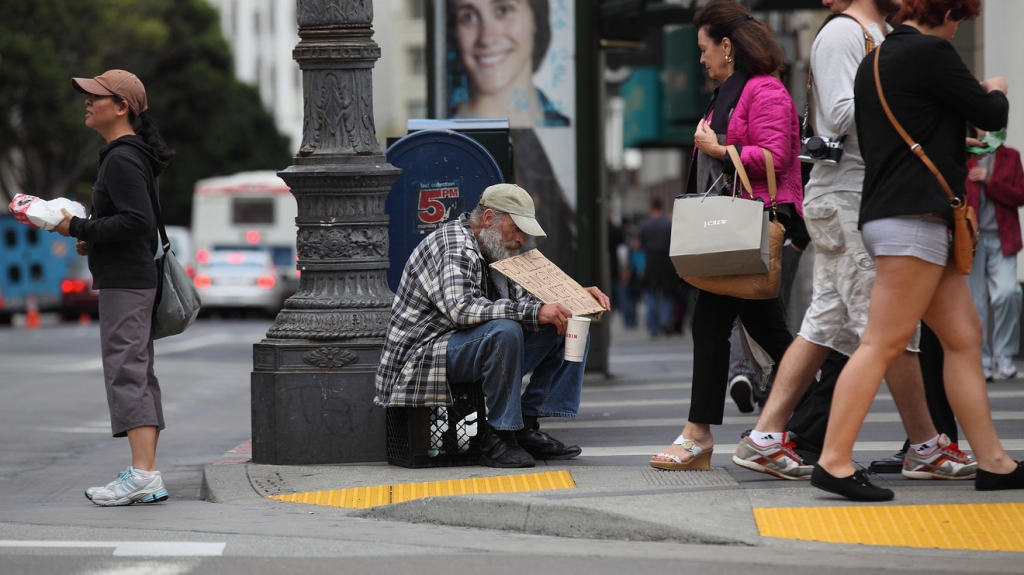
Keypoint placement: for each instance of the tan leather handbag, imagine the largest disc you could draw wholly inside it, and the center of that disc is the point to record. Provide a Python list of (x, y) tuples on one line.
[(751, 286)]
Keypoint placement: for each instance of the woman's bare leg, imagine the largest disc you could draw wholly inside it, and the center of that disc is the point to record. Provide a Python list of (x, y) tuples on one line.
[(142, 441), (903, 289), (954, 319)]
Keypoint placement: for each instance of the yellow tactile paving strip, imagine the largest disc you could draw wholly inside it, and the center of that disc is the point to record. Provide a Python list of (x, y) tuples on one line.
[(364, 497), (981, 527)]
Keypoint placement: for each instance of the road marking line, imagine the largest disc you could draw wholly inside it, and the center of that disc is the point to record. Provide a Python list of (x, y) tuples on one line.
[(197, 343), (133, 548), (168, 549), (159, 348)]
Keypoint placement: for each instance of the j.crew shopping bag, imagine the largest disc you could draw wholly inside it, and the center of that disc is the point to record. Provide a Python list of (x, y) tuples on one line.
[(719, 235)]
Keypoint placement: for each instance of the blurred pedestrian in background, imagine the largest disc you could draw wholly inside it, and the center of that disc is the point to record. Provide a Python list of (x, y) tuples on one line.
[(660, 283), (995, 189)]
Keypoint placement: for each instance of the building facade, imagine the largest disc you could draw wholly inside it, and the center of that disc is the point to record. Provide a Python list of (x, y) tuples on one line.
[(263, 33)]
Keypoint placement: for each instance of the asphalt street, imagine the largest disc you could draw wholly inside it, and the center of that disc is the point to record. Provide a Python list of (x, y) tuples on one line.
[(56, 441)]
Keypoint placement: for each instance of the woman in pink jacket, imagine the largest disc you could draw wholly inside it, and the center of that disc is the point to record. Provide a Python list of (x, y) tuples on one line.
[(751, 110)]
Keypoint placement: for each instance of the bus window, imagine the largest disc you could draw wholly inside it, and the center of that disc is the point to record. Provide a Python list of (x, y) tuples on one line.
[(252, 210)]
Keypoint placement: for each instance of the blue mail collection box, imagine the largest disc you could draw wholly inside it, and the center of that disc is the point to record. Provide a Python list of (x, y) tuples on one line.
[(444, 173)]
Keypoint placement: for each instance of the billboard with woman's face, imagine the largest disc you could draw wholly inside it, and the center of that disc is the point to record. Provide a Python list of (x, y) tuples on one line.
[(515, 59)]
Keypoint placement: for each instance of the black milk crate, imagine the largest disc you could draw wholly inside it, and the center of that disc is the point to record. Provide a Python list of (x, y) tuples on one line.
[(438, 436)]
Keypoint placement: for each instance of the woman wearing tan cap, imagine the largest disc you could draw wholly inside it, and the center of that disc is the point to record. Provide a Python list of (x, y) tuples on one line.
[(121, 240)]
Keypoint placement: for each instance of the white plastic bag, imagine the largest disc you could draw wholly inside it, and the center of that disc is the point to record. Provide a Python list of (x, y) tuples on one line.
[(43, 214)]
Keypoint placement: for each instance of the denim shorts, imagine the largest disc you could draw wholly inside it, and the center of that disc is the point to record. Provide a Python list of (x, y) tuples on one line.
[(924, 237)]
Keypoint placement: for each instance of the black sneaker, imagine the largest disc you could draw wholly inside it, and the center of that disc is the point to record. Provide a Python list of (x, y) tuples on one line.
[(542, 446), (499, 449), (988, 481), (891, 464), (855, 487), (742, 392)]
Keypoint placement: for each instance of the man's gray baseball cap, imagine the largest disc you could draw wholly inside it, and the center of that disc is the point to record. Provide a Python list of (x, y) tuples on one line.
[(515, 202)]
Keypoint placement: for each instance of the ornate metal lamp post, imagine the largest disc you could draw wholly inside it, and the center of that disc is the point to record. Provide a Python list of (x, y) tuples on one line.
[(312, 379)]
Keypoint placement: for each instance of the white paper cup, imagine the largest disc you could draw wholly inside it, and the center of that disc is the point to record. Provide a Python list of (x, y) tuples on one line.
[(576, 338)]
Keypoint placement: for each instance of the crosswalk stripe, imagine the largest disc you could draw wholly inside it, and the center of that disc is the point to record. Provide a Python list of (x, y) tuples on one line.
[(874, 417), (680, 356), (1011, 445), (686, 401)]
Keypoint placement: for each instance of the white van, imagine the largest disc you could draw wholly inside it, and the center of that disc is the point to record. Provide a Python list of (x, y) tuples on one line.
[(246, 211)]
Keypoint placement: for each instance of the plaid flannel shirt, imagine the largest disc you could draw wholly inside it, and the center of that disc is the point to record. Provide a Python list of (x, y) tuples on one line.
[(445, 287)]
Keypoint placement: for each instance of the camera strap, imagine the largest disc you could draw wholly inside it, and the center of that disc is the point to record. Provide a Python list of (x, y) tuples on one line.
[(869, 45)]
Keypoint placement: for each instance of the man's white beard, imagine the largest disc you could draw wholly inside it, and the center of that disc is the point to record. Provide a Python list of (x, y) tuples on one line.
[(491, 243)]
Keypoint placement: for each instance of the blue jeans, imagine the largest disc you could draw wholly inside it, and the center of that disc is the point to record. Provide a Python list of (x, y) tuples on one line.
[(659, 304), (498, 353), (993, 281)]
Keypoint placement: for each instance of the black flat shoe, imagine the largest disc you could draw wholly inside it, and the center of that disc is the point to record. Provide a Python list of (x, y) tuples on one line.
[(542, 446), (988, 481), (855, 487), (499, 449), (891, 464)]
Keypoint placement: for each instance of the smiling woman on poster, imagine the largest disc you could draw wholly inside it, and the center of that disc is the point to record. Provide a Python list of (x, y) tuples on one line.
[(503, 61), (500, 45)]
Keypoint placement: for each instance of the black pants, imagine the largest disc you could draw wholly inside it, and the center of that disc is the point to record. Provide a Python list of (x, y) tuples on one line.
[(713, 316)]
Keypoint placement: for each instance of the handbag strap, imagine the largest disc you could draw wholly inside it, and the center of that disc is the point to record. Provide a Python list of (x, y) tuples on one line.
[(914, 146), (769, 167)]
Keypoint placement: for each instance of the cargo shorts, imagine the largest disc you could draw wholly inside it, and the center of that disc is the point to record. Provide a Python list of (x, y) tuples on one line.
[(844, 274)]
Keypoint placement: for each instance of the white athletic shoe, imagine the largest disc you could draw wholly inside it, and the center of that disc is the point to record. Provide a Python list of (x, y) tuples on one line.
[(129, 488)]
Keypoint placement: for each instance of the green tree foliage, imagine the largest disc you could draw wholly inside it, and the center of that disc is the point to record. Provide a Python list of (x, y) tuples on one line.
[(215, 124)]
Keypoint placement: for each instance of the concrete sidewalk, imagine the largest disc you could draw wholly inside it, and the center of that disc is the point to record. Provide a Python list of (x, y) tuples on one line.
[(623, 502), (618, 496)]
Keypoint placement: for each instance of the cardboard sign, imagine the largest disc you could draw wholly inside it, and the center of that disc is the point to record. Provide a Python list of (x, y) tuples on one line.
[(547, 283)]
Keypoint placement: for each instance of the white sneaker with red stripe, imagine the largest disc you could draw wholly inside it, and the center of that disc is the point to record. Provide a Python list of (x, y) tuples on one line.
[(778, 459), (946, 462)]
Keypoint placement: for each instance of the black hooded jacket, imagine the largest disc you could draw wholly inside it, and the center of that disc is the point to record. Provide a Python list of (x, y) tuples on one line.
[(122, 232)]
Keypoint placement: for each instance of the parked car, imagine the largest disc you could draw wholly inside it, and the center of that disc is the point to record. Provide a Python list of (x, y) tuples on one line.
[(244, 279), (77, 295)]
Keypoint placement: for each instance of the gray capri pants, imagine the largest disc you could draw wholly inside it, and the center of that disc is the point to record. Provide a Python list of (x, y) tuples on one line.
[(133, 392)]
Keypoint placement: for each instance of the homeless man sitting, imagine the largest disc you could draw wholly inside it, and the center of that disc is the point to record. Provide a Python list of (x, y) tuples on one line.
[(455, 319)]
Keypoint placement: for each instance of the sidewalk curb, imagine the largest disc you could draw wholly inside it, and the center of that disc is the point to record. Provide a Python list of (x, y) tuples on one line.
[(677, 515), (536, 518)]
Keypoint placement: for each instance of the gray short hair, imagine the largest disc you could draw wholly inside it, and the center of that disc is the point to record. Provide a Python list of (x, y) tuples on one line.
[(478, 213)]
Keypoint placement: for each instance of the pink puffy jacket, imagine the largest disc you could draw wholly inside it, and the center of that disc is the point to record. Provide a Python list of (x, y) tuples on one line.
[(765, 117)]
